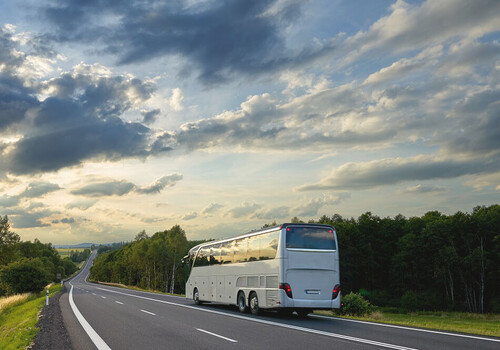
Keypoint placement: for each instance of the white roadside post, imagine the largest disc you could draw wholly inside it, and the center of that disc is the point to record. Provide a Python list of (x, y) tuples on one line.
[(47, 298)]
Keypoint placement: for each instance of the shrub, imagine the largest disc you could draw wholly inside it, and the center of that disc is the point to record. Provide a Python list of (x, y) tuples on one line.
[(355, 305), (409, 301), (25, 276)]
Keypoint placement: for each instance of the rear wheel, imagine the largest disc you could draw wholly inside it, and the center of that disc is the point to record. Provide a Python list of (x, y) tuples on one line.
[(254, 303), (196, 297), (241, 302), (303, 312)]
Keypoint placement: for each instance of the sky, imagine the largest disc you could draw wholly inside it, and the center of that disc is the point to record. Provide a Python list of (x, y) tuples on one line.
[(222, 116)]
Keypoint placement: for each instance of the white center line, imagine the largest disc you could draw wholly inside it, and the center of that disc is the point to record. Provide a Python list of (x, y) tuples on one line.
[(148, 312), (217, 335), (103, 297), (119, 302)]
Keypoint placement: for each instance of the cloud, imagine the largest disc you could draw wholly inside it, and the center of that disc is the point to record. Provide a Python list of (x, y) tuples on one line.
[(190, 216), (160, 184), (33, 190), (218, 39), (211, 209), (421, 189), (396, 170), (122, 187), (244, 209), (313, 206), (110, 188), (67, 220), (273, 213), (29, 219), (408, 27), (175, 100), (82, 204), (38, 189), (149, 117)]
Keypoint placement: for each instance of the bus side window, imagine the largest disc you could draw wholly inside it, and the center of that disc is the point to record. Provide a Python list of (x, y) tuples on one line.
[(215, 254), (269, 245), (202, 257), (226, 252), (253, 248), (240, 250)]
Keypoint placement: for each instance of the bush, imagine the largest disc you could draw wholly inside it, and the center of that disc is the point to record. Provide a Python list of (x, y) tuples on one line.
[(355, 305), (25, 276), (409, 301)]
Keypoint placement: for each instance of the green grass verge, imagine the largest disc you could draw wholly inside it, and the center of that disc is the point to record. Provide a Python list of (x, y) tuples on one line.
[(483, 324), (18, 322)]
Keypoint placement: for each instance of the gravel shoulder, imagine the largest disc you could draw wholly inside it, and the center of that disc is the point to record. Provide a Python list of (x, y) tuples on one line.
[(53, 333)]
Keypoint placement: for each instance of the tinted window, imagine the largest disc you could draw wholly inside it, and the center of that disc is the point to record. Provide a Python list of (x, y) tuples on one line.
[(310, 238), (253, 248), (240, 250), (202, 257), (226, 252), (268, 245), (215, 254)]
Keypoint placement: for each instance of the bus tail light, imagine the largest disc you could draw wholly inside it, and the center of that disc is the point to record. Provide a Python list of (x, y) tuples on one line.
[(288, 290), (336, 291)]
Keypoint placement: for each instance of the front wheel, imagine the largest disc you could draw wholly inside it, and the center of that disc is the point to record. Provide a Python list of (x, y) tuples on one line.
[(254, 304), (196, 297), (241, 302)]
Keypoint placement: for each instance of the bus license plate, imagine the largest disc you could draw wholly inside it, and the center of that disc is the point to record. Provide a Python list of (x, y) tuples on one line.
[(310, 291)]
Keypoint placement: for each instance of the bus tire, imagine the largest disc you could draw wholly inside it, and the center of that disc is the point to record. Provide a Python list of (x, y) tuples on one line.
[(302, 313), (253, 301), (242, 302), (196, 297)]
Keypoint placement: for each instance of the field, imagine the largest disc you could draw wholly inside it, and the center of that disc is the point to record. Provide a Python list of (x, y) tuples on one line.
[(64, 252)]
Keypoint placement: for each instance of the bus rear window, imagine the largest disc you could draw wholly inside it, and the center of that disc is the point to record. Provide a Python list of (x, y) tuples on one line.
[(310, 238)]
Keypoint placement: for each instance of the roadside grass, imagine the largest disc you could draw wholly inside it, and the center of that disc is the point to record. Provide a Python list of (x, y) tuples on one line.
[(13, 300), (119, 285), (483, 324), (18, 319), (64, 252)]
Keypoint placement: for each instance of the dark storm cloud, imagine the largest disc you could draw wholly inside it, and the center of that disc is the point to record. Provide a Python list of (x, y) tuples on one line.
[(150, 117), (220, 38)]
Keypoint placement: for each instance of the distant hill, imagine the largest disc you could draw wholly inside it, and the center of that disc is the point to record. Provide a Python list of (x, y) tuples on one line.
[(74, 246)]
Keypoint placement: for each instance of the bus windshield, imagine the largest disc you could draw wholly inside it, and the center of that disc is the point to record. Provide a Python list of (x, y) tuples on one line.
[(310, 238)]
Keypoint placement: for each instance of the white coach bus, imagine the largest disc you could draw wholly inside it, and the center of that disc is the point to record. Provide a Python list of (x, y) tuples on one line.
[(287, 267)]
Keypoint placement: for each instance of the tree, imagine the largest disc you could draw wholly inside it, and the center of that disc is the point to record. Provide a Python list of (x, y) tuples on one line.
[(8, 239), (25, 276)]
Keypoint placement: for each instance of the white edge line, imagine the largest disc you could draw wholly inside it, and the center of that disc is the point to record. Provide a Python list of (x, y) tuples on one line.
[(96, 339), (148, 312), (119, 302), (217, 335), (308, 330), (406, 328)]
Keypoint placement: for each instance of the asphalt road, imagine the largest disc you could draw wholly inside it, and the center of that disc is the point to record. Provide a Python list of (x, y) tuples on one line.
[(117, 318)]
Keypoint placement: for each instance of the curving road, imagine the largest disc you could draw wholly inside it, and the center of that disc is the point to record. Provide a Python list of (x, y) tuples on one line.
[(104, 317)]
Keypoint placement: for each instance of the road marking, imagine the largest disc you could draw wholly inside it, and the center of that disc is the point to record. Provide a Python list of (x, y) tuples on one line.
[(94, 294), (96, 339), (148, 312), (119, 302), (103, 297), (217, 335), (282, 325), (406, 328)]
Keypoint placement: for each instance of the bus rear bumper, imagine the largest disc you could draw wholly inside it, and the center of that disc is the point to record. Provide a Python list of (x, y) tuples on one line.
[(311, 304)]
